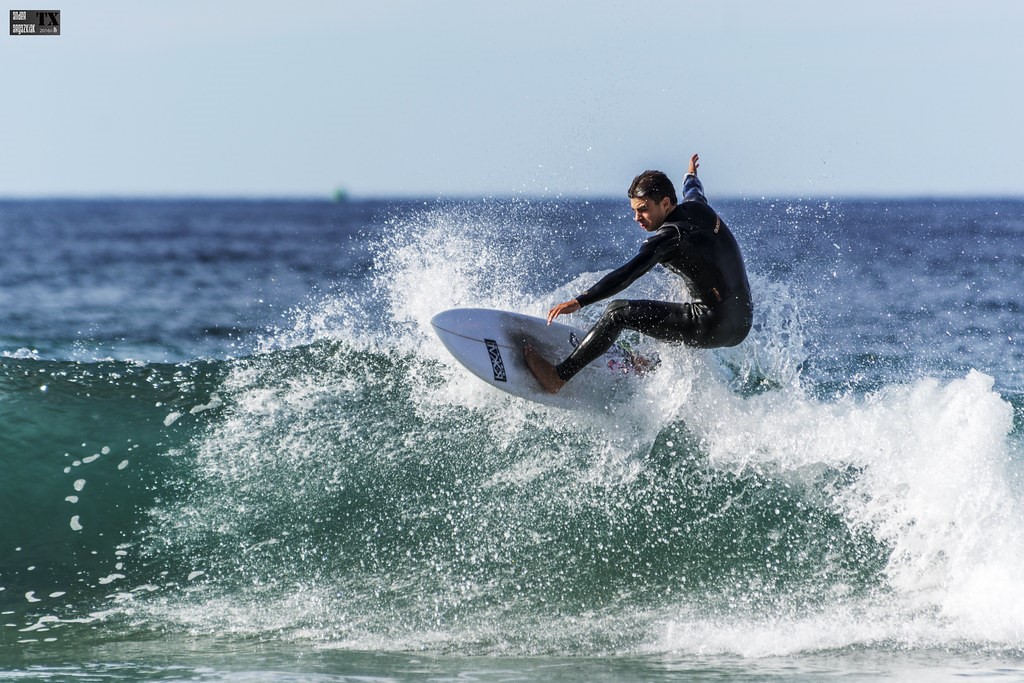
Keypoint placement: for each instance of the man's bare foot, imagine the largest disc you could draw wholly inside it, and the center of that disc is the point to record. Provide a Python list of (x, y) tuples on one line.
[(543, 370)]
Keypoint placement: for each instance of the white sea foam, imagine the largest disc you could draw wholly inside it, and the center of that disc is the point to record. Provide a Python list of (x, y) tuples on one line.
[(931, 461)]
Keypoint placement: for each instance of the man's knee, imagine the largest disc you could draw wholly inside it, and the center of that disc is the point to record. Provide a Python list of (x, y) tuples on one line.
[(617, 310)]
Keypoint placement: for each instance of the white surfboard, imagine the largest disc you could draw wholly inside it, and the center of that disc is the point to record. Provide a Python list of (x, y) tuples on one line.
[(490, 344)]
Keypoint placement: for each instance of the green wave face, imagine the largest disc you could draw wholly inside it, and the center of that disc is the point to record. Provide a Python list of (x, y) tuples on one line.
[(379, 498)]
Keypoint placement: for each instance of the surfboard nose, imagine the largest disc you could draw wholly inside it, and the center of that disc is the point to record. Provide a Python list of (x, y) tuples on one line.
[(443, 320), (455, 319)]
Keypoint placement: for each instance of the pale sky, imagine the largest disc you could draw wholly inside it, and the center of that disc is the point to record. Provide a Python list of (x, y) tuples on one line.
[(469, 98)]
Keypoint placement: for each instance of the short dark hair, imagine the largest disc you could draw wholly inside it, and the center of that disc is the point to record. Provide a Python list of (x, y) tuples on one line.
[(652, 185)]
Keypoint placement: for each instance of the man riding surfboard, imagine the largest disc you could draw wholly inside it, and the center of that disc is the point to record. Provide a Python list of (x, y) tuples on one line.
[(692, 241)]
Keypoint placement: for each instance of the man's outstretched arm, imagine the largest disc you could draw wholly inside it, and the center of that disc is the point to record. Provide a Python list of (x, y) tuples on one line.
[(693, 190)]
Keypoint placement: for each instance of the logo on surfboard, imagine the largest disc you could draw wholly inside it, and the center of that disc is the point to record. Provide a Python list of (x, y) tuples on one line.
[(497, 364)]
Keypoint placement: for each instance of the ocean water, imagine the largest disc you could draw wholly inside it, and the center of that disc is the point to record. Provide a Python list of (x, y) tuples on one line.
[(231, 448)]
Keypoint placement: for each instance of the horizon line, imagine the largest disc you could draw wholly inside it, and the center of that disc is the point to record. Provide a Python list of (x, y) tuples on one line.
[(356, 198)]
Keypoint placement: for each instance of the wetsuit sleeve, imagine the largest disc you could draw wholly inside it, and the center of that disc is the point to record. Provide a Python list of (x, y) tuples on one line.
[(693, 190), (623, 276)]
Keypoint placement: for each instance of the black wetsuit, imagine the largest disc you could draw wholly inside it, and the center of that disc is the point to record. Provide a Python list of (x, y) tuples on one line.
[(694, 243)]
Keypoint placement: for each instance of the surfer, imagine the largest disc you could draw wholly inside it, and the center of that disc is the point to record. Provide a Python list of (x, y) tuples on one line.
[(692, 241)]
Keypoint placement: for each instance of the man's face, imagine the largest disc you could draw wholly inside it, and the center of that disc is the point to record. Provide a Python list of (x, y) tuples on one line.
[(649, 213)]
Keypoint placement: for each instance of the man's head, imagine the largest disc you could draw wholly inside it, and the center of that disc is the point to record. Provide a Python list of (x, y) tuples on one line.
[(652, 197)]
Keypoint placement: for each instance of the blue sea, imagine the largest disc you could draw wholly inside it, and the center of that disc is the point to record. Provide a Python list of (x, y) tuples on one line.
[(232, 449)]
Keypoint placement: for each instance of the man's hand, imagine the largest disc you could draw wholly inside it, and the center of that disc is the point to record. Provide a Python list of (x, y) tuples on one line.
[(694, 163), (565, 307)]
